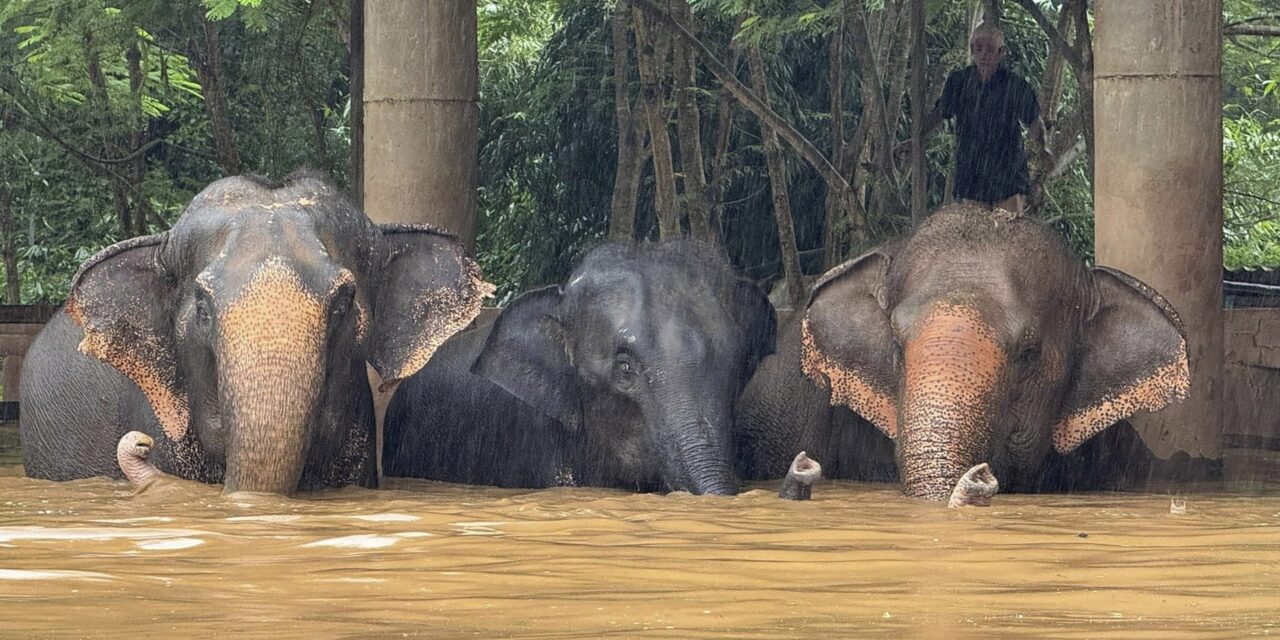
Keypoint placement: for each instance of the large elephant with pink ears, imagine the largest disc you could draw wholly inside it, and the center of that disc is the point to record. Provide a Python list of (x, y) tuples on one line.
[(979, 337), (238, 340)]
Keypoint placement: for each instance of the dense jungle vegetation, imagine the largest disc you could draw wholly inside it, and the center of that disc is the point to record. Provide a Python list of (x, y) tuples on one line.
[(597, 121)]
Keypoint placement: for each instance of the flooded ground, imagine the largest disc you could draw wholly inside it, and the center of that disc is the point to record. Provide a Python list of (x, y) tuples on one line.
[(84, 559)]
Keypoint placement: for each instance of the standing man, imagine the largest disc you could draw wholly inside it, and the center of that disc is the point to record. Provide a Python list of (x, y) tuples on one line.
[(989, 104)]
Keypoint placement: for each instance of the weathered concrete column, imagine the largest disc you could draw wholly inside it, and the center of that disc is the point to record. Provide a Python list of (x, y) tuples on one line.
[(420, 124), (1158, 185), (421, 113)]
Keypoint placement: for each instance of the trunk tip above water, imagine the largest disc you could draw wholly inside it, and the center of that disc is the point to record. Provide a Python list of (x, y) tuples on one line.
[(132, 453), (975, 488), (798, 485)]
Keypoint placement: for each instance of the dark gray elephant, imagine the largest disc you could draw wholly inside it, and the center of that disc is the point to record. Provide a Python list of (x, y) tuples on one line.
[(238, 339), (976, 338), (624, 377)]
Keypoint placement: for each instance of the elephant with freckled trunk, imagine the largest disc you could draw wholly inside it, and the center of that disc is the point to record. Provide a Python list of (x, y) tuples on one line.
[(976, 338), (237, 340), (624, 377)]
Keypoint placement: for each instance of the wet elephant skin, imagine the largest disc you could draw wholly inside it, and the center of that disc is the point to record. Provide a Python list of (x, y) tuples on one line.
[(238, 339), (625, 376), (976, 338)]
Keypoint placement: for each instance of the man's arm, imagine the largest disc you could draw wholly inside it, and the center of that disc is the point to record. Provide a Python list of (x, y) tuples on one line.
[(931, 122)]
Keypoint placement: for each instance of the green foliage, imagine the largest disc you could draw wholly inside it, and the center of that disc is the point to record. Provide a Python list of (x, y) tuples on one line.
[(1251, 143), (1251, 193), (547, 130), (284, 71), (546, 138), (251, 11)]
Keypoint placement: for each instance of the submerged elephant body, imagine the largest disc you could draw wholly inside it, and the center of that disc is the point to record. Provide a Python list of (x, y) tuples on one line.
[(238, 339), (976, 338), (624, 377)]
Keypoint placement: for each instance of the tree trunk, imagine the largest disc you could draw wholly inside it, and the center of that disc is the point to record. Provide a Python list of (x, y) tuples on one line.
[(689, 127), (207, 58), (1050, 94), (1084, 49), (724, 131), (874, 109), (1051, 85), (992, 12), (101, 100), (137, 137), (631, 156), (778, 185), (919, 69), (802, 145), (832, 233), (651, 58)]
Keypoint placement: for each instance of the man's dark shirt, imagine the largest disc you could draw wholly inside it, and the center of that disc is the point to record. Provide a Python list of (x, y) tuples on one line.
[(990, 162)]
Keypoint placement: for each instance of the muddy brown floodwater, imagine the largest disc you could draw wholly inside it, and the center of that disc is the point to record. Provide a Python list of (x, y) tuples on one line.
[(83, 559)]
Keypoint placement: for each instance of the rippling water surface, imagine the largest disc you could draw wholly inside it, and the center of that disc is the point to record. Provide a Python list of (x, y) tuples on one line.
[(85, 559)]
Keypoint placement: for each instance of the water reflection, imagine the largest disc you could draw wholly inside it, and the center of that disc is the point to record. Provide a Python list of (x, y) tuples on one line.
[(442, 561)]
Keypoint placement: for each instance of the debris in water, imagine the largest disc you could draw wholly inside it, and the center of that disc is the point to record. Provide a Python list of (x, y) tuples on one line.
[(1083, 534)]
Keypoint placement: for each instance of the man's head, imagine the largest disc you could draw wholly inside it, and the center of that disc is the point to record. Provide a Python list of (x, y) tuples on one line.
[(986, 45)]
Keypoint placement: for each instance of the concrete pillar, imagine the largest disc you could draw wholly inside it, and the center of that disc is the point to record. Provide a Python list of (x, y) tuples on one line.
[(420, 113), (1158, 185)]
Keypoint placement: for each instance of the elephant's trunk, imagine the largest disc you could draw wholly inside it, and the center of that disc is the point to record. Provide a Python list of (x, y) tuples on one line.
[(697, 456), (272, 343), (953, 366)]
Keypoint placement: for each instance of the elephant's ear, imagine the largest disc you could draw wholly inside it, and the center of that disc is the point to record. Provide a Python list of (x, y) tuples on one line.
[(1134, 357), (527, 354), (759, 326), (429, 290), (120, 299), (848, 341)]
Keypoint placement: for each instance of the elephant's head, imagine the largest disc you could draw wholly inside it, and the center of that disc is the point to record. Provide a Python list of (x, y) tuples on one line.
[(642, 354), (248, 324), (983, 339)]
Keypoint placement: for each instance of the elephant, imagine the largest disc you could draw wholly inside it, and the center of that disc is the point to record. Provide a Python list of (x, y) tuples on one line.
[(238, 340), (623, 377), (976, 338)]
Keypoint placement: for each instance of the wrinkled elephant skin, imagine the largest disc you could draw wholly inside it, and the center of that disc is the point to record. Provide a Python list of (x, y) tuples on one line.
[(977, 338), (625, 377), (237, 340)]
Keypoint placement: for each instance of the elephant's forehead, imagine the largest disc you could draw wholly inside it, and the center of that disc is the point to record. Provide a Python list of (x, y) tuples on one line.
[(1011, 292), (243, 252)]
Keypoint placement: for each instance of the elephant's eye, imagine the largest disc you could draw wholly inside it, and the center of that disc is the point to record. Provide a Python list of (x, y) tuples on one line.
[(342, 302), (626, 372), (203, 315), (1029, 354)]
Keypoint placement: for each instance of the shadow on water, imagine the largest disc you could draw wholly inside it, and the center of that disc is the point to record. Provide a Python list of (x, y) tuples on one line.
[(422, 559)]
